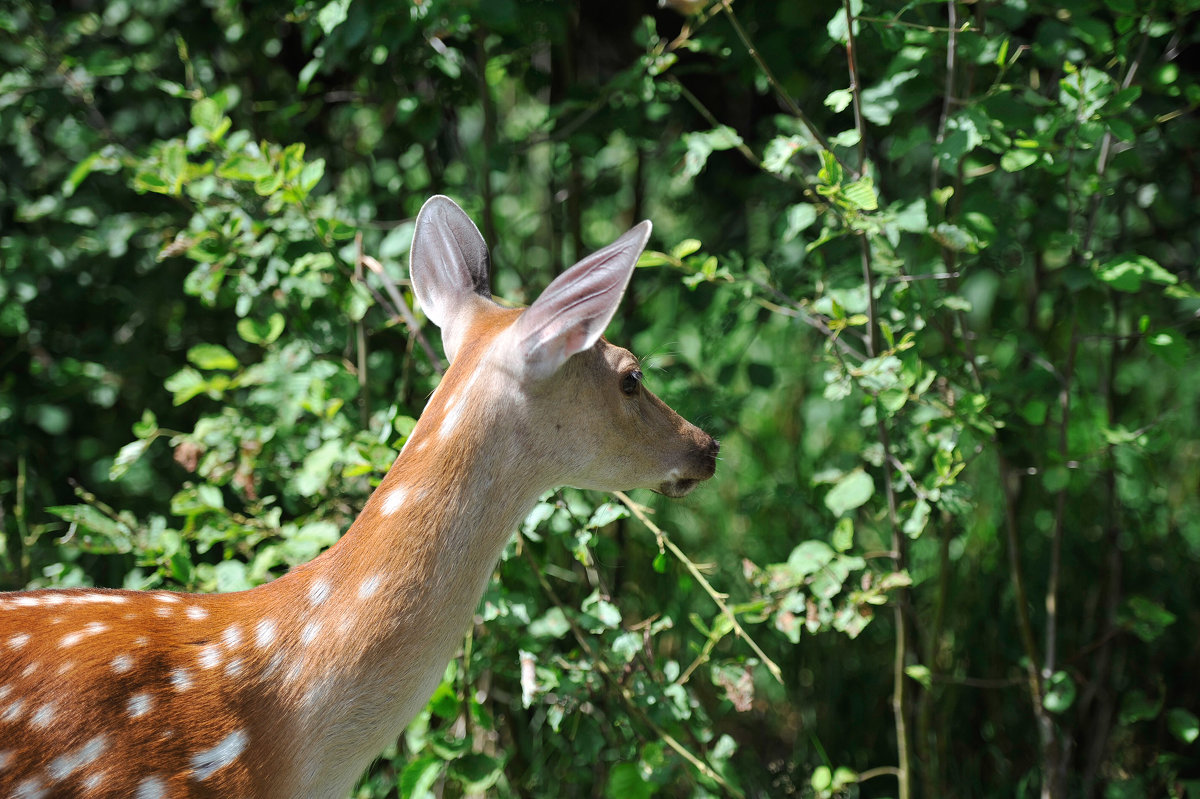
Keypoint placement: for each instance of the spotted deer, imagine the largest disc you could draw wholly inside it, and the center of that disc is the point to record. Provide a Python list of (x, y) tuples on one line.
[(290, 689)]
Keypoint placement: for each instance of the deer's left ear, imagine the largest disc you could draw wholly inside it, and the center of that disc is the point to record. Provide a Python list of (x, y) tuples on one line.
[(449, 266), (572, 312)]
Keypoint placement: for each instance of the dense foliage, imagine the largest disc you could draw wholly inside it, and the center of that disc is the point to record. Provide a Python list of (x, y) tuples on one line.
[(929, 273)]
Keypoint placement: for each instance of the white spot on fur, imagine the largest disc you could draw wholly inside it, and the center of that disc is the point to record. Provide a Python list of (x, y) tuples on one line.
[(91, 628), (30, 789), (181, 679), (369, 586), (139, 705), (55, 599), (151, 788), (233, 668), (310, 632), (93, 781), (393, 501), (30, 669), (5, 758), (162, 612), (166, 596), (65, 765), (454, 412), (319, 591), (141, 640), (210, 761), (14, 711), (232, 636), (264, 633), (210, 657), (5, 690), (17, 641), (196, 613), (122, 664), (27, 601), (112, 599), (43, 715), (63, 668)]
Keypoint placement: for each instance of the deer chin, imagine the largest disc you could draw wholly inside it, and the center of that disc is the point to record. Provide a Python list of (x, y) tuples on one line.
[(678, 488)]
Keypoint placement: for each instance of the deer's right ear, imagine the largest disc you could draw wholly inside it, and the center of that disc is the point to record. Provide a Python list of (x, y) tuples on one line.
[(449, 266)]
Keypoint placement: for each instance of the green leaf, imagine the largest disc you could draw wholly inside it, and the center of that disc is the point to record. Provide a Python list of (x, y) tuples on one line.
[(1016, 160), (212, 356), (914, 525), (861, 194), (654, 258), (129, 455), (699, 145), (625, 781), (602, 611), (809, 557), (843, 534), (419, 776), (244, 167), (206, 114), (1183, 724), (1060, 692), (332, 15), (799, 217), (553, 624), (476, 771), (606, 514), (260, 332), (921, 674), (1147, 619), (1128, 272), (850, 492), (685, 248), (838, 99), (185, 384), (822, 779)]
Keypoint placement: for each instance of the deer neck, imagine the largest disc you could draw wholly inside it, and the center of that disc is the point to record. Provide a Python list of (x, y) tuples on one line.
[(395, 595)]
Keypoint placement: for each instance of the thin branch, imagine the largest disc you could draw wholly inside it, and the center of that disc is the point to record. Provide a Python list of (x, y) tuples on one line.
[(855, 89), (410, 320), (1064, 401), (718, 598), (783, 96)]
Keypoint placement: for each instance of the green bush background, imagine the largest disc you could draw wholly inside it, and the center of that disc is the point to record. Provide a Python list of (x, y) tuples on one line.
[(928, 274)]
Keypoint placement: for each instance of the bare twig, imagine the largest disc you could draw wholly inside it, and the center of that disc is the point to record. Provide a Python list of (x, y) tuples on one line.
[(410, 320), (718, 598), (783, 96)]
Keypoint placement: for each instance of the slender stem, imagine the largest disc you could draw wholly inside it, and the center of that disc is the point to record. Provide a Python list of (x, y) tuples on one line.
[(948, 92), (1064, 401), (783, 96), (900, 698), (718, 598), (410, 320), (360, 341), (855, 89)]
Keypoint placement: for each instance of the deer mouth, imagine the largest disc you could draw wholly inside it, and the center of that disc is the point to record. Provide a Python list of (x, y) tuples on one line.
[(678, 488)]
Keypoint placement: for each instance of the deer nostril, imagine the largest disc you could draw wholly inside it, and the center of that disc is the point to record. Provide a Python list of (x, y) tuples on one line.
[(713, 448)]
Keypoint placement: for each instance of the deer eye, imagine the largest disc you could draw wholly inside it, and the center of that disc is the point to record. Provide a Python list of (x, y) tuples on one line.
[(631, 382)]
